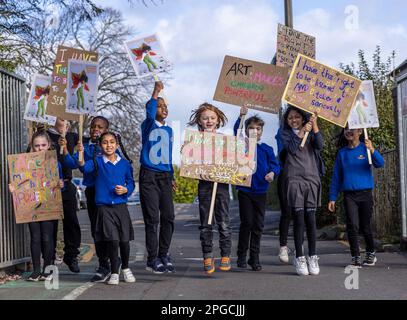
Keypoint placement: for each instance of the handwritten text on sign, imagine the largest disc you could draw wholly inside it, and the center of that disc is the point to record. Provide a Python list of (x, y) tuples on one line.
[(218, 158), (36, 179), (316, 87), (57, 98), (257, 84), (290, 42)]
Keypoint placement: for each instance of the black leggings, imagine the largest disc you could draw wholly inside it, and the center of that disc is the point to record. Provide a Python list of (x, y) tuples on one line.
[(113, 253), (310, 223), (42, 241)]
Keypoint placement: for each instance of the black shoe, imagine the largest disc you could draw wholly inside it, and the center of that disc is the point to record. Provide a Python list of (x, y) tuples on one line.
[(46, 276), (370, 259), (241, 262), (72, 265), (255, 264), (356, 262), (35, 276), (101, 275)]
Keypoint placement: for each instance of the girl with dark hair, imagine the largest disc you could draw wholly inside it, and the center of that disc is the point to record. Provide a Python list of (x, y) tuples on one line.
[(354, 177), (42, 233), (114, 184), (302, 184)]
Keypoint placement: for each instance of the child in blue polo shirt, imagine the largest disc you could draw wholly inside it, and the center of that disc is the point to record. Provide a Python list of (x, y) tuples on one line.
[(157, 183), (252, 200), (114, 184), (353, 176)]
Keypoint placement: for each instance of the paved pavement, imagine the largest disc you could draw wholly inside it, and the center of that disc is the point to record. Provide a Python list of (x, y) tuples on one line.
[(387, 280)]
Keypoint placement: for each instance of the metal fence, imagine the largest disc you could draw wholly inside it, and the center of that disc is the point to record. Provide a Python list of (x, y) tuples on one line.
[(386, 213), (13, 238)]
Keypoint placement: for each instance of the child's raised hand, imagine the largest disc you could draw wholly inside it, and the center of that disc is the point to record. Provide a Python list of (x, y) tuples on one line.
[(120, 190), (79, 147), (11, 188), (331, 206), (243, 111), (308, 126), (158, 86), (369, 145), (269, 176), (62, 143)]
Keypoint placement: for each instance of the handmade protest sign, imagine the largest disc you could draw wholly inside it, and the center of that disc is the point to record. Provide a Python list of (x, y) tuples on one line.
[(315, 87), (57, 98), (35, 178), (218, 158), (290, 42), (364, 112), (258, 85), (82, 87), (147, 56), (37, 100)]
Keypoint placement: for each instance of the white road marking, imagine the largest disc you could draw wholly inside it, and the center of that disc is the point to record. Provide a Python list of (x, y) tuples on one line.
[(74, 294)]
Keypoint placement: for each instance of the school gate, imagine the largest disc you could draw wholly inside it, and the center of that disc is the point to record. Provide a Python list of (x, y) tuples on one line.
[(13, 238)]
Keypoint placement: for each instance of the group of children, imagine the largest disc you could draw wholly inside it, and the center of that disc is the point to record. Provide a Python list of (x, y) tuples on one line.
[(108, 178)]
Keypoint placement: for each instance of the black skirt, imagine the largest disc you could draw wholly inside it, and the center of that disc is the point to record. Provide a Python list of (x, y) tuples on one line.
[(114, 224)]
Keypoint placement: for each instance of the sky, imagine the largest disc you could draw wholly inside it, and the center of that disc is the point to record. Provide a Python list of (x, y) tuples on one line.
[(197, 34)]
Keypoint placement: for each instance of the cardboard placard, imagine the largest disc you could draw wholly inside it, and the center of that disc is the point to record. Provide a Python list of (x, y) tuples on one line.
[(315, 87), (218, 158), (82, 88), (37, 195), (147, 56), (57, 97), (290, 42), (258, 85), (364, 112), (38, 99)]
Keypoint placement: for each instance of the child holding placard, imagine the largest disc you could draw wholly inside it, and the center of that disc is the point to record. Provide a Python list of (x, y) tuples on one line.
[(209, 118), (114, 184), (353, 176), (252, 200), (302, 184), (42, 233), (157, 183)]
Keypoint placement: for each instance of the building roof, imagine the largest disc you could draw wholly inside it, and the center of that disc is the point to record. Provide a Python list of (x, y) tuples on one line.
[(400, 70)]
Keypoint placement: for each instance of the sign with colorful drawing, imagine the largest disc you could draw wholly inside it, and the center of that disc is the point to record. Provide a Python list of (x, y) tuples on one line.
[(57, 103), (218, 158), (35, 178), (37, 100), (258, 85), (147, 56), (82, 88), (364, 112), (290, 42), (315, 87)]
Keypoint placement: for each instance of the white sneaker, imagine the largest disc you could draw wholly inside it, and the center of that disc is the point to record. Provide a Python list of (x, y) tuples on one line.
[(128, 275), (313, 266), (114, 279), (284, 254), (300, 264)]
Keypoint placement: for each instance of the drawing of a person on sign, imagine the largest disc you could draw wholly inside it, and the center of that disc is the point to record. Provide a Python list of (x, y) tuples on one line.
[(364, 112), (82, 86), (147, 56), (37, 101)]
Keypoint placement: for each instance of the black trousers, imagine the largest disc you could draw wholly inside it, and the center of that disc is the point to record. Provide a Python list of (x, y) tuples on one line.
[(304, 218), (358, 211), (72, 230), (100, 246), (42, 242), (158, 211), (221, 214), (252, 208), (285, 214)]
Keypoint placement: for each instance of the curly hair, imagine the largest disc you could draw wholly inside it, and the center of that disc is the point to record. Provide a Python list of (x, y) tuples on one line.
[(196, 114)]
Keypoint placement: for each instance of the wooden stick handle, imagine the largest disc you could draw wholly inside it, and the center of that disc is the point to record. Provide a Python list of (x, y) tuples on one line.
[(369, 155), (304, 139), (241, 125), (80, 158), (212, 207)]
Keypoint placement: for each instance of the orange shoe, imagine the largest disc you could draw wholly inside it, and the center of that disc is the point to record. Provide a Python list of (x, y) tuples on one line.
[(225, 264), (209, 265)]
